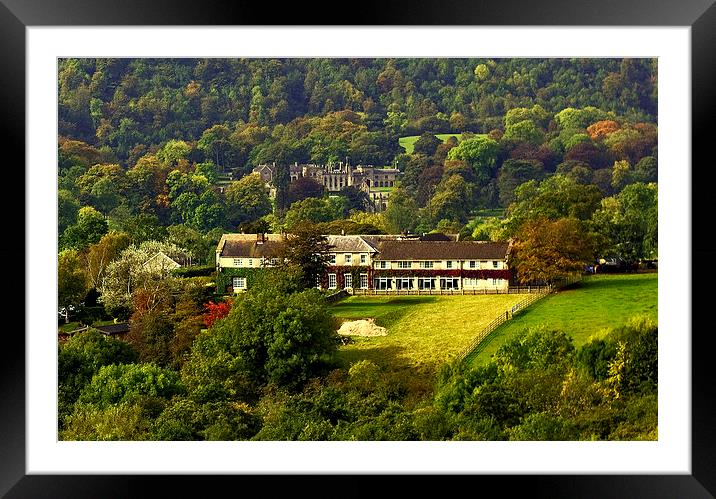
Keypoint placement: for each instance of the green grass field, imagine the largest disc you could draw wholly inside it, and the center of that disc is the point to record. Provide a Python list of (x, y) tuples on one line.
[(423, 331), (597, 303), (408, 143)]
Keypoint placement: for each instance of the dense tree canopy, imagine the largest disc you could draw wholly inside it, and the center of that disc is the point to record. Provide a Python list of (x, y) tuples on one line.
[(559, 155)]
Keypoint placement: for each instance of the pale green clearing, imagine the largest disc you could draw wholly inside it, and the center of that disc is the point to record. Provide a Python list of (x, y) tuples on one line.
[(408, 143), (598, 303)]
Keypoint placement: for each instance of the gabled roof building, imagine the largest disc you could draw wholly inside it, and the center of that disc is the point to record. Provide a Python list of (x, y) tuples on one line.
[(385, 263)]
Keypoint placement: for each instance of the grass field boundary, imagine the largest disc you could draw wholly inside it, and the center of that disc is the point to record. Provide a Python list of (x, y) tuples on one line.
[(499, 320), (509, 314)]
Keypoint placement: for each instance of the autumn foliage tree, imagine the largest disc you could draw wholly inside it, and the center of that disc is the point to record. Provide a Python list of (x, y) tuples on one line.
[(216, 311), (547, 250), (601, 129)]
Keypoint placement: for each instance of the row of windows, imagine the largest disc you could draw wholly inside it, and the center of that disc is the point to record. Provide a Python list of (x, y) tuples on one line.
[(381, 264), (386, 282), (348, 281), (406, 264), (383, 283), (239, 262), (348, 258)]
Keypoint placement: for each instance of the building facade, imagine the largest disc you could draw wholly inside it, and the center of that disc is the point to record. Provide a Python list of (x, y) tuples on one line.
[(386, 263), (377, 183)]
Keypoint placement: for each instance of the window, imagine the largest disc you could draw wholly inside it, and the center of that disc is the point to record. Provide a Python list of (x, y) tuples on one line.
[(348, 280), (426, 265), (382, 265), (426, 283), (404, 283), (238, 262), (332, 259), (448, 264), (473, 264), (403, 265), (494, 282), (364, 281), (494, 264), (363, 258), (238, 282), (347, 257), (332, 281), (382, 283), (449, 283), (251, 262)]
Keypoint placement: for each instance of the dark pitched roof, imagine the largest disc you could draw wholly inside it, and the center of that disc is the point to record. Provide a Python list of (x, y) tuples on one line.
[(440, 250), (352, 244), (114, 328), (438, 236)]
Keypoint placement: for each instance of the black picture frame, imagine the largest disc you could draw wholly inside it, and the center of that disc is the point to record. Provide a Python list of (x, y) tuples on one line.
[(700, 15)]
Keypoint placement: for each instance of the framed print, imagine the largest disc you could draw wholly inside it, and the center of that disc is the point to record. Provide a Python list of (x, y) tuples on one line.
[(37, 39)]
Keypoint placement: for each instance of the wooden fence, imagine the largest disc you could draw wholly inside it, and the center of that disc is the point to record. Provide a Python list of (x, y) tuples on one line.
[(501, 319), (541, 292)]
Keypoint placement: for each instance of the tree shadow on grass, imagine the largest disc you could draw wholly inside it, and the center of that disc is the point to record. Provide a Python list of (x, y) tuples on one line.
[(386, 357), (385, 313), (419, 381)]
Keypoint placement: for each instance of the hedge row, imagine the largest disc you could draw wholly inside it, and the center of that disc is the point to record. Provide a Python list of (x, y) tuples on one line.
[(195, 271)]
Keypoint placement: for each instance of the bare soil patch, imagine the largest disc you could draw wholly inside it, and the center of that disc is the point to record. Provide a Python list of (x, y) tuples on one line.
[(362, 327)]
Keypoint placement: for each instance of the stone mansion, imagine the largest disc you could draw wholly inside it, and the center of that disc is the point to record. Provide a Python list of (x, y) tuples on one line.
[(375, 182), (386, 263)]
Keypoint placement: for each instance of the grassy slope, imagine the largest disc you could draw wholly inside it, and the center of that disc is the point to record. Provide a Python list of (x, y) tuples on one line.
[(423, 331), (599, 302)]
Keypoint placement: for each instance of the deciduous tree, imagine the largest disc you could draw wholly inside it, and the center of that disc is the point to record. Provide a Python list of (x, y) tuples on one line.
[(71, 279), (306, 249), (547, 250), (90, 227), (247, 200)]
